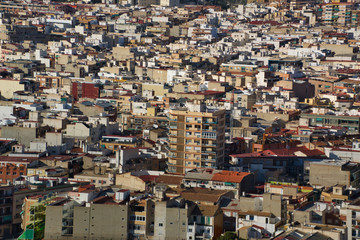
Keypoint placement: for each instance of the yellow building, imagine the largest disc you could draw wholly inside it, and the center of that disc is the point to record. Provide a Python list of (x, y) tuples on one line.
[(197, 140), (141, 218)]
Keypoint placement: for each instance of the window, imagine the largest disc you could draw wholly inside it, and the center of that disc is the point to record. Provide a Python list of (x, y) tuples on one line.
[(190, 229), (160, 224), (251, 217), (140, 218)]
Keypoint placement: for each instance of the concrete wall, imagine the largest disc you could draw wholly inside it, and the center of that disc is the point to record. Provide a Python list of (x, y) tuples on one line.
[(170, 223), (22, 135), (55, 123), (328, 175), (108, 221), (53, 222), (127, 181), (8, 87)]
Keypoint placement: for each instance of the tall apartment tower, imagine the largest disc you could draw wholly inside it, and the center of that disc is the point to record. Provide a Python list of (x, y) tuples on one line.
[(196, 139)]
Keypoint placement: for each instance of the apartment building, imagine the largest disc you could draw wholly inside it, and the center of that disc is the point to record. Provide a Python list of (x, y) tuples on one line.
[(331, 172), (205, 222), (352, 212), (351, 123), (141, 222), (197, 139), (256, 214), (337, 13), (238, 182), (104, 218), (171, 219), (6, 209)]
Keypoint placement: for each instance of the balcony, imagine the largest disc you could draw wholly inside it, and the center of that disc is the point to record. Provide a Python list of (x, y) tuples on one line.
[(208, 144), (210, 130), (208, 137), (208, 160), (209, 122), (208, 152), (172, 119)]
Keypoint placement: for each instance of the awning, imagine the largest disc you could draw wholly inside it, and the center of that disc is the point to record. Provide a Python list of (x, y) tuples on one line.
[(28, 234)]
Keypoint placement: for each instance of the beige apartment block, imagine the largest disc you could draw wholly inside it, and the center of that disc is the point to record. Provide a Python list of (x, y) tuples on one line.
[(197, 140)]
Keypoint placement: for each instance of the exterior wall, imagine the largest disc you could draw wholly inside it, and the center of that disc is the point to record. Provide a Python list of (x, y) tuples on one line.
[(108, 221), (49, 81), (81, 222), (56, 123), (85, 90), (247, 184), (352, 221), (170, 223), (6, 209), (53, 222), (19, 197), (9, 86), (158, 75), (54, 138), (22, 135), (218, 222), (97, 221), (9, 172), (158, 89), (301, 90), (98, 180), (271, 116), (196, 140), (276, 205), (352, 123), (328, 175), (77, 130), (122, 53), (127, 181), (322, 86), (141, 222)]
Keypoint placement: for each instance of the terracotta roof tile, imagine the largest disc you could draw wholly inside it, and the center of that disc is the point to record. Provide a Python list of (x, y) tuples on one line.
[(229, 176)]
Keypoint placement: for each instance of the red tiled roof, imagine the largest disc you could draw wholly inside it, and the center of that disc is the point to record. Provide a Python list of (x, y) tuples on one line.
[(229, 176), (148, 178)]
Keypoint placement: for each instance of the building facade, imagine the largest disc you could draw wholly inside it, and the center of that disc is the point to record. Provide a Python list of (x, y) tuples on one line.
[(197, 140)]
